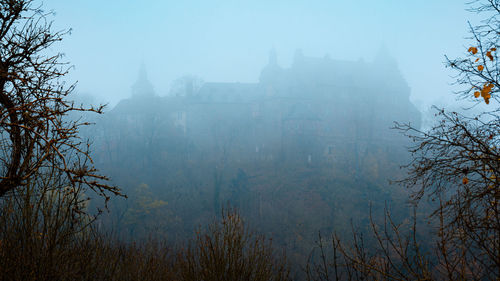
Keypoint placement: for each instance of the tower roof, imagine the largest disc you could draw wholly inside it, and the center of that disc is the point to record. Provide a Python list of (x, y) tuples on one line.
[(142, 87), (272, 71)]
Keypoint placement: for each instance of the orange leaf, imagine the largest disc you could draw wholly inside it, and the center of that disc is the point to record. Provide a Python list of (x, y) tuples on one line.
[(476, 94), (488, 54), (476, 60), (485, 91), (493, 49), (465, 180), (480, 67), (473, 50)]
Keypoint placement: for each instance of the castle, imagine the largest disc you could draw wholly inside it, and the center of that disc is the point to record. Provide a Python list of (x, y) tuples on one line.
[(317, 110)]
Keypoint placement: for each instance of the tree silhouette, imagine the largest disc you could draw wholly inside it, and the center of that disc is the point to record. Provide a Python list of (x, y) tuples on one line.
[(456, 163), (36, 134)]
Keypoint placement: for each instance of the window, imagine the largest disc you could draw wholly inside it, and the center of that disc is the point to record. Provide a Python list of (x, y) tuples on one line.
[(329, 150), (255, 110)]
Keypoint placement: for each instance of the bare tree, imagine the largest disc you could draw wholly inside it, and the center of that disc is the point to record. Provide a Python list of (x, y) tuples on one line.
[(227, 250), (35, 132), (478, 72), (393, 252), (456, 163)]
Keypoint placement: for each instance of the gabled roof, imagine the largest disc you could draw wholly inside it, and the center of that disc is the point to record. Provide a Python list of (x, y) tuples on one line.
[(139, 105)]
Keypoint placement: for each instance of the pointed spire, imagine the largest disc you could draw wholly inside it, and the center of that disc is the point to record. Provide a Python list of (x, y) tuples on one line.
[(273, 58), (142, 87), (384, 57), (272, 71), (143, 73)]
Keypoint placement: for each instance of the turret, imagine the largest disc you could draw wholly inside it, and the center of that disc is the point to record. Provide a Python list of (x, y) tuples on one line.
[(142, 87), (272, 72)]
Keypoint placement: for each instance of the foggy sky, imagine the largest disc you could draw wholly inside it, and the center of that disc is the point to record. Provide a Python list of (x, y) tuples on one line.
[(229, 41)]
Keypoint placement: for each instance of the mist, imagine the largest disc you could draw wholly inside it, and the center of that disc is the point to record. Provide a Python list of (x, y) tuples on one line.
[(281, 109), (300, 115), (229, 41)]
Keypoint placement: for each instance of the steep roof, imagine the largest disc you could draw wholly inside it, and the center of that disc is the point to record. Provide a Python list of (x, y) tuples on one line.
[(142, 86)]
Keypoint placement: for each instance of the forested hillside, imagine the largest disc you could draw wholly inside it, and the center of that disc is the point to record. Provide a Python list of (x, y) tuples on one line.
[(300, 152), (318, 169)]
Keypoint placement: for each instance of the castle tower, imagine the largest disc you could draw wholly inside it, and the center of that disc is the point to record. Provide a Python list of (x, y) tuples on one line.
[(142, 87), (273, 58), (388, 73), (272, 72)]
